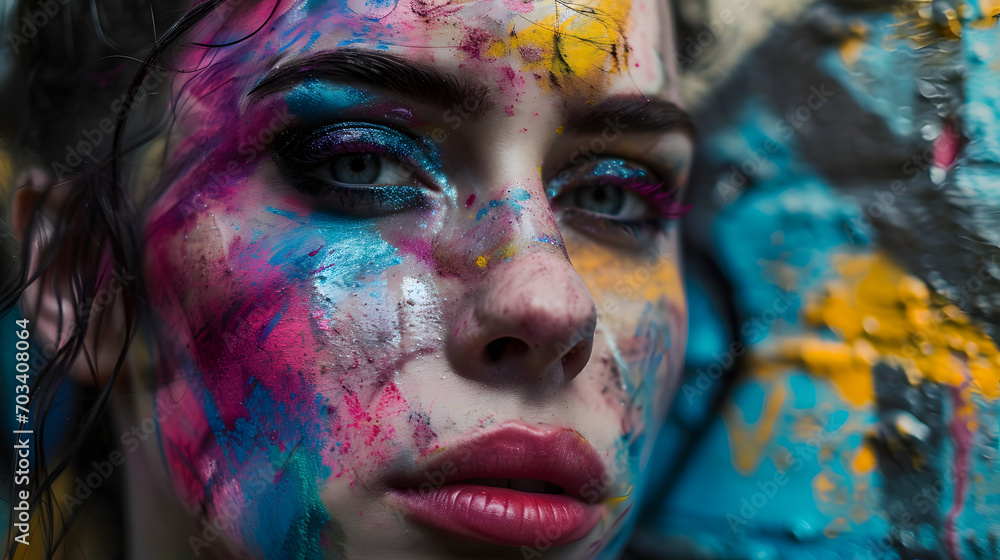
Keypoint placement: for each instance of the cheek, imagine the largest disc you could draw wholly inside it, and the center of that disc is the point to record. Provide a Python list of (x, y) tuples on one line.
[(642, 318), (278, 347)]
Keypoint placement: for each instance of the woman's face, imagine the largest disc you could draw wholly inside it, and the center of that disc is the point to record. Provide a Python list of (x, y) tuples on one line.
[(412, 277)]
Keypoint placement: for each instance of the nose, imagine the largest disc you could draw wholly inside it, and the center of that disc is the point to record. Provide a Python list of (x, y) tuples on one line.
[(532, 323)]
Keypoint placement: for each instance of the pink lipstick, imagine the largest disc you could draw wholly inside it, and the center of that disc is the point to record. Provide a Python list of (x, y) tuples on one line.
[(513, 485)]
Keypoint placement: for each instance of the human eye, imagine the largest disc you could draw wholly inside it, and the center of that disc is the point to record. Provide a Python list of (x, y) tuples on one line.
[(362, 169), (615, 199)]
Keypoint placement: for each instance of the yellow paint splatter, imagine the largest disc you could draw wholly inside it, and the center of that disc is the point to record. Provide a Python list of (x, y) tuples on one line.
[(481, 261), (854, 44), (6, 174), (989, 9), (917, 24), (746, 442), (865, 460), (829, 488), (834, 528), (582, 40), (619, 499), (632, 276), (560, 129), (930, 338)]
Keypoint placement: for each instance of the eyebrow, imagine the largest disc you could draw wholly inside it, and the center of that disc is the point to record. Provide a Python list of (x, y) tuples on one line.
[(380, 70), (632, 114)]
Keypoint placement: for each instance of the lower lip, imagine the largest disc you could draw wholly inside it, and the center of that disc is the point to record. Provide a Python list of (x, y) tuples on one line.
[(501, 515)]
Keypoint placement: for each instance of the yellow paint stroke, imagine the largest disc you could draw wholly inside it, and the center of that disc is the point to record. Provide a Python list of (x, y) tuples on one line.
[(746, 442), (6, 174), (481, 260), (989, 10), (829, 488), (619, 499), (853, 45), (917, 25), (629, 275), (834, 528), (859, 511), (880, 313), (508, 251), (581, 40), (865, 459)]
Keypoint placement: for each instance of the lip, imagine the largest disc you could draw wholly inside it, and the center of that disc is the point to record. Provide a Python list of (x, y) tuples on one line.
[(439, 493)]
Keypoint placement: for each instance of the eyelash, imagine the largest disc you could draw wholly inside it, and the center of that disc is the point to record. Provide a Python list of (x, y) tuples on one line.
[(299, 152), (661, 196)]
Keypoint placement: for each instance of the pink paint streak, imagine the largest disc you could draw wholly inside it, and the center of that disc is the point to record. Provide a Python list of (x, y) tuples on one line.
[(520, 6), (947, 146), (962, 437)]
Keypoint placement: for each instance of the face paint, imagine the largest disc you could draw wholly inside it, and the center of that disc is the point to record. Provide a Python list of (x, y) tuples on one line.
[(350, 342)]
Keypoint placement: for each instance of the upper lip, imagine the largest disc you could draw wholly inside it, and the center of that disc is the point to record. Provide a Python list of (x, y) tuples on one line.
[(560, 456)]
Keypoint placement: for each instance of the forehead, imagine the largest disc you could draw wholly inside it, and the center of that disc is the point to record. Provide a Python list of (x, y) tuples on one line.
[(581, 48)]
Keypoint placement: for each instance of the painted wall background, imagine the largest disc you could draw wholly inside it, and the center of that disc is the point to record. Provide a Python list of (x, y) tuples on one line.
[(841, 395)]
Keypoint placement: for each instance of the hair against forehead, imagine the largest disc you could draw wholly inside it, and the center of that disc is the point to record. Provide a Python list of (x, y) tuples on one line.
[(576, 46), (580, 50)]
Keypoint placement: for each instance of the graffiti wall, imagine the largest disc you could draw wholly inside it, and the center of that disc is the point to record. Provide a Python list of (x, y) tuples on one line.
[(843, 375)]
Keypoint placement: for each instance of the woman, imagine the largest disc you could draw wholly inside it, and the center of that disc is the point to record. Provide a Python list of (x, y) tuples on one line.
[(395, 279)]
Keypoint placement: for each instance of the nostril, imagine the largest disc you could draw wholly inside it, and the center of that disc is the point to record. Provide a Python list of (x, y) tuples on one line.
[(506, 345), (495, 349), (578, 348)]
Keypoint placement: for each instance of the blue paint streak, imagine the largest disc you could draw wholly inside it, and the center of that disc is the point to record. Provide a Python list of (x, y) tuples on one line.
[(514, 197), (319, 101), (270, 325), (275, 456), (359, 255)]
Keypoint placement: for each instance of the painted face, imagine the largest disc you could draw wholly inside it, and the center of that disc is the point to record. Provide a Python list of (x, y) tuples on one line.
[(414, 277)]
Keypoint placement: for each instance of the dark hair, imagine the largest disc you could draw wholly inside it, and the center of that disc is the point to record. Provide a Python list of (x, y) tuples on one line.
[(93, 230)]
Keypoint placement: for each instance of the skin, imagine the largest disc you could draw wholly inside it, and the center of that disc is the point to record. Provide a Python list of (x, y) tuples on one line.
[(298, 354)]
